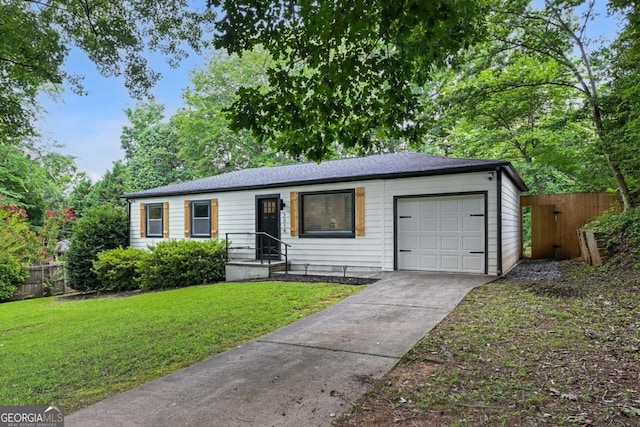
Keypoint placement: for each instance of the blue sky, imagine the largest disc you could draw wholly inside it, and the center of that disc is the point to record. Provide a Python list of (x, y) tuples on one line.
[(89, 126)]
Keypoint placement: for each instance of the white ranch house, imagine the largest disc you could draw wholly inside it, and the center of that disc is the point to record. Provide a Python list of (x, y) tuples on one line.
[(401, 211)]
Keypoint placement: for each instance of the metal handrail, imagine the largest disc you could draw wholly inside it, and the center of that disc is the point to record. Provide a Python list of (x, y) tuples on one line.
[(262, 234)]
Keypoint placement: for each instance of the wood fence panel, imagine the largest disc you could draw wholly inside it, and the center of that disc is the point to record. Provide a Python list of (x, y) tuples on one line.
[(572, 211), (34, 287)]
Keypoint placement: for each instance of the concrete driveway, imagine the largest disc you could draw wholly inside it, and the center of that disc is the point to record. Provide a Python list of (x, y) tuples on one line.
[(301, 375)]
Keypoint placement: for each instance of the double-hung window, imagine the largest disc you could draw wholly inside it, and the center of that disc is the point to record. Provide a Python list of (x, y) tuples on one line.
[(327, 214), (154, 220), (201, 218)]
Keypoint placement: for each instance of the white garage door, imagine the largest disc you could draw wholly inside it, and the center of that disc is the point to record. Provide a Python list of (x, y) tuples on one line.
[(441, 234)]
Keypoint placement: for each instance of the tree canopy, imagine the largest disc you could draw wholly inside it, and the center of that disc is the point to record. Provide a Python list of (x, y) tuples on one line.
[(151, 149), (342, 71), (116, 35), (207, 142), (557, 32), (491, 78)]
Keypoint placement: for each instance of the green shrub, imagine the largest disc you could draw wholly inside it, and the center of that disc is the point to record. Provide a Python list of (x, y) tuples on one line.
[(620, 226), (622, 232), (101, 228), (16, 237), (12, 273), (179, 263), (119, 269)]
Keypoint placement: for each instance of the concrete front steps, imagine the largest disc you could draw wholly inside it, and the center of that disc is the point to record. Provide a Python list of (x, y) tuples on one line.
[(252, 269)]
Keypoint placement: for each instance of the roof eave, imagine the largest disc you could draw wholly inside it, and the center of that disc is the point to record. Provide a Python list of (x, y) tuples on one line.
[(412, 174)]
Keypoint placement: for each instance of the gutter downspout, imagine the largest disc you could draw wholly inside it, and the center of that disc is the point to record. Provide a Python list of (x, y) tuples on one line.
[(499, 220), (128, 222)]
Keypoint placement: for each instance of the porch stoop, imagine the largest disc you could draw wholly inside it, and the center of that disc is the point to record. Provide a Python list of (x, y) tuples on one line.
[(251, 269)]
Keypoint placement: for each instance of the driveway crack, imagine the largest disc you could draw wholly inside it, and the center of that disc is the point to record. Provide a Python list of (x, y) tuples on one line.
[(337, 350), (400, 305)]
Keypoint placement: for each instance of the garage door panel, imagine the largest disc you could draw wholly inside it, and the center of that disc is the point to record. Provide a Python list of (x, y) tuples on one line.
[(429, 242), (410, 207), (410, 242), (472, 244), (471, 263), (450, 243), (408, 261), (450, 224), (428, 262), (429, 224), (473, 223), (450, 263), (473, 204), (443, 234), (449, 206), (409, 225), (427, 206)]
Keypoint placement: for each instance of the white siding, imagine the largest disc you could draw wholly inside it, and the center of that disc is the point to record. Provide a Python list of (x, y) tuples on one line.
[(442, 185), (236, 213), (511, 233)]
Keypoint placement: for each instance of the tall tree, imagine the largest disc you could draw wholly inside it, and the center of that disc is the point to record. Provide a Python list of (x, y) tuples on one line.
[(78, 198), (207, 142), (342, 71), (494, 107), (22, 182), (151, 149), (61, 176), (112, 186), (620, 99), (559, 32), (36, 38)]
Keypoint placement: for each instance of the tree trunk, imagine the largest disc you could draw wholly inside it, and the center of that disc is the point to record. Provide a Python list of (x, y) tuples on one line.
[(613, 165)]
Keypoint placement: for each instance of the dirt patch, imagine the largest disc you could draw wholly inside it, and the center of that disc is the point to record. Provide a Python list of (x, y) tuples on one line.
[(522, 352)]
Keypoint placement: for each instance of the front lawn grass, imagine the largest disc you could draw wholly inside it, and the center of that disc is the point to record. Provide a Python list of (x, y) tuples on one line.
[(75, 353)]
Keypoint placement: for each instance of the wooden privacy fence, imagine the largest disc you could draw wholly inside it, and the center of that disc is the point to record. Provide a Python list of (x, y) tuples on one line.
[(44, 280), (556, 218)]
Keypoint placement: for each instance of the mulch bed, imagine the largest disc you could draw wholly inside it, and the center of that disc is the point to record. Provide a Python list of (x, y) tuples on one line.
[(314, 278)]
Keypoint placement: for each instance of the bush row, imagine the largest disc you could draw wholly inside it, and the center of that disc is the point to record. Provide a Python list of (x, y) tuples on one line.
[(96, 259), (169, 264)]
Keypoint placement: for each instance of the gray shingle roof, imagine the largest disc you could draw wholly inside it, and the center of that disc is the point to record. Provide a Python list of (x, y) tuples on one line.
[(394, 165)]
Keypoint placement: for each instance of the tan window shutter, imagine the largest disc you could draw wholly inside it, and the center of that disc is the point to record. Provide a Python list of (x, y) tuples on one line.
[(165, 220), (214, 218), (360, 211), (143, 220), (293, 209), (187, 218)]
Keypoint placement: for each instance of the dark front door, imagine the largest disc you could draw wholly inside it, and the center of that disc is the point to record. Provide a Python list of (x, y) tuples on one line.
[(268, 221)]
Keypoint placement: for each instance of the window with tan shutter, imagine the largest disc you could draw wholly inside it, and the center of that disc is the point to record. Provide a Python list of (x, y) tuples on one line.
[(201, 218), (327, 214), (154, 219)]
